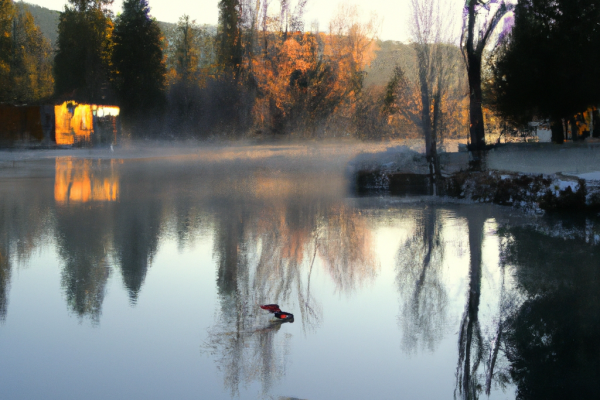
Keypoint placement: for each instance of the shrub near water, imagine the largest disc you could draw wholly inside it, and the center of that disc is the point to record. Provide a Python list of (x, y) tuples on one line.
[(533, 192)]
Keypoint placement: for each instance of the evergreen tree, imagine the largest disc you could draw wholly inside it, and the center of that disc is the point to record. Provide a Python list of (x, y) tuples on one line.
[(25, 57), (140, 71), (185, 50), (7, 21), (82, 65), (85, 5), (548, 67), (229, 36), (32, 65), (45, 19)]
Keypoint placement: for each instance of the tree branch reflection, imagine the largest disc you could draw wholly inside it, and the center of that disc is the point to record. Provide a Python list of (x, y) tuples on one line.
[(470, 341), (267, 253), (419, 269)]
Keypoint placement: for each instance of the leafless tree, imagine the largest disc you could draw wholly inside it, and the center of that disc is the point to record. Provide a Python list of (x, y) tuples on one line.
[(431, 40)]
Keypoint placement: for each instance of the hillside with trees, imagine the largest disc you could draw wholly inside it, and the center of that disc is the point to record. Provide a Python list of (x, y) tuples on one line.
[(25, 57), (260, 71), (45, 19)]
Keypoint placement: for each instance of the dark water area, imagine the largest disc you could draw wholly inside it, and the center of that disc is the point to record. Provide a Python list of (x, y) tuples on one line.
[(142, 279)]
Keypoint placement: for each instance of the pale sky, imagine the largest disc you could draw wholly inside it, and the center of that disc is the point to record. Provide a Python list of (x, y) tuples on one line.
[(393, 12)]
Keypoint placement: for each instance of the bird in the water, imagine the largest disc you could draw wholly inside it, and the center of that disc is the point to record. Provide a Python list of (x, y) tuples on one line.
[(281, 315)]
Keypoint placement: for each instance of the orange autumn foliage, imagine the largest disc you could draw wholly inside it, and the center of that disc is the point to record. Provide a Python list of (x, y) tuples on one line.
[(305, 78)]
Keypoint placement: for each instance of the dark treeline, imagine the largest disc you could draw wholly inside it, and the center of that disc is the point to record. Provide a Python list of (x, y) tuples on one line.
[(261, 71), (546, 67)]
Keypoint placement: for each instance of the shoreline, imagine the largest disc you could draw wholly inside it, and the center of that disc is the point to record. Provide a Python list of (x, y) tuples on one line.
[(536, 178)]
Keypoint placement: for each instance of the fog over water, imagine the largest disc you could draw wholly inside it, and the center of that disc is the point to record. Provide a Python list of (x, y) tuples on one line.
[(138, 274)]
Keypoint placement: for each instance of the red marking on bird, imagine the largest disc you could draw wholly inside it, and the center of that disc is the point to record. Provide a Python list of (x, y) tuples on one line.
[(273, 308)]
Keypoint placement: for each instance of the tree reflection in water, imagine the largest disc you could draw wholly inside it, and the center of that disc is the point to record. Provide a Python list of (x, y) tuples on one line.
[(6, 245), (346, 248), (419, 266), (424, 286), (552, 339), (24, 226), (136, 237), (267, 253), (85, 192), (83, 240), (5, 272), (272, 233), (424, 279), (481, 363), (470, 340)]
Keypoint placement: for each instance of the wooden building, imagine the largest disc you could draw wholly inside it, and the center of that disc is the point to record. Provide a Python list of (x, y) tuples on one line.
[(66, 124)]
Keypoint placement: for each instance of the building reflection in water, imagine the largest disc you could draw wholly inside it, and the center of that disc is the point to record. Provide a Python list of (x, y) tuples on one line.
[(82, 181), (84, 234)]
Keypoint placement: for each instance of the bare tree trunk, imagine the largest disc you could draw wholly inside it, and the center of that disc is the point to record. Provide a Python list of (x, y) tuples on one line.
[(429, 34), (473, 59), (470, 341), (437, 115), (473, 54), (425, 103), (558, 134), (574, 129), (476, 126)]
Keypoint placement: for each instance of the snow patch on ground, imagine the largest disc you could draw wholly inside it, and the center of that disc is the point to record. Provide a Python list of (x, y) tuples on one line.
[(590, 176), (561, 185)]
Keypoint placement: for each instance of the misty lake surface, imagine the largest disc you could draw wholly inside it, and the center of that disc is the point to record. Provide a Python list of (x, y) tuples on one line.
[(141, 278)]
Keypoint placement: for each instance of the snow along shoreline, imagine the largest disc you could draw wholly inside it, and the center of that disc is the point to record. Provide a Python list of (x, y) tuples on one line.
[(536, 178)]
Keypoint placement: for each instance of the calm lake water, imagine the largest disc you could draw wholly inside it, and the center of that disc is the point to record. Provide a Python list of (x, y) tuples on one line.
[(141, 279)]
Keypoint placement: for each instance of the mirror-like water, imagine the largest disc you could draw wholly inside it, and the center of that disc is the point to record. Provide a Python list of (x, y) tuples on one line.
[(141, 279)]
